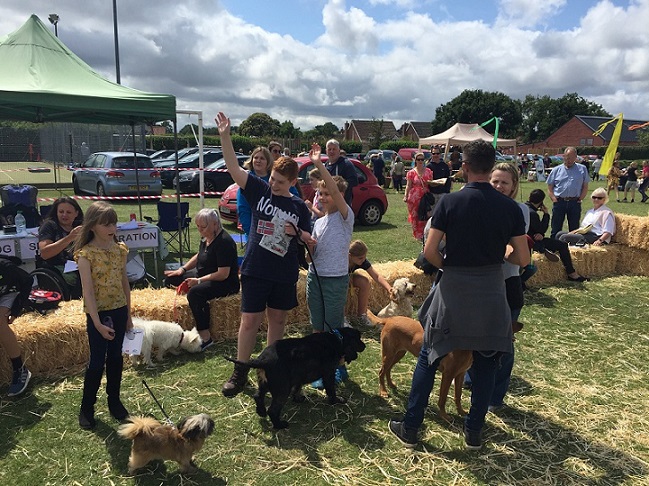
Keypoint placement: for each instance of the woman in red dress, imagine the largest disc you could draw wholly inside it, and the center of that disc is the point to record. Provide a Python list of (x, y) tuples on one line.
[(417, 181)]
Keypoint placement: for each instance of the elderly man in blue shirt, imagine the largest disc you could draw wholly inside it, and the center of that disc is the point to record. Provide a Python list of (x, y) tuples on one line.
[(567, 187)]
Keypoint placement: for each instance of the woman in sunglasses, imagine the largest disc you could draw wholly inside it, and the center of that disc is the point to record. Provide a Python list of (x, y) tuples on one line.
[(598, 225)]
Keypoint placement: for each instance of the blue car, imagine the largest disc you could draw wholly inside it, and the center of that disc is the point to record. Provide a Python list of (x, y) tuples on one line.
[(114, 174)]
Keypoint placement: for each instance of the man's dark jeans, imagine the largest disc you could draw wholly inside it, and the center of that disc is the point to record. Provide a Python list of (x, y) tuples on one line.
[(565, 209), (484, 382)]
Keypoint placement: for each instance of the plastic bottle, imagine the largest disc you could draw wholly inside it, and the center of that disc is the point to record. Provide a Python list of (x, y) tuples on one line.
[(20, 222)]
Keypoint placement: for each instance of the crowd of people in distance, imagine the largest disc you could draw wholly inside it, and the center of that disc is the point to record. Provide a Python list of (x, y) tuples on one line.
[(480, 238)]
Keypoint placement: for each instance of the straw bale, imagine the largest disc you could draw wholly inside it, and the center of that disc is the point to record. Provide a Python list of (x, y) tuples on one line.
[(391, 271), (56, 344), (632, 231), (632, 261), (52, 345), (592, 262)]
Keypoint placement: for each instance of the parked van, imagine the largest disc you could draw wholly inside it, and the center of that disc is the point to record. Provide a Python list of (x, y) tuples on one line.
[(409, 153)]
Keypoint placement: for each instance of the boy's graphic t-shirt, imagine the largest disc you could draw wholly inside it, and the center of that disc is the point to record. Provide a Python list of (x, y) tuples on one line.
[(271, 253)]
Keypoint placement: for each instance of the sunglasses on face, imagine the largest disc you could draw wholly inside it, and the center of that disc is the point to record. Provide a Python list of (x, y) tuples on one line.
[(597, 197), (419, 159), (275, 151), (435, 153)]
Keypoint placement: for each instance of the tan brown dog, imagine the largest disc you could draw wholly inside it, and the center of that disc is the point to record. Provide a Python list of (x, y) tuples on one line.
[(153, 440), (401, 334)]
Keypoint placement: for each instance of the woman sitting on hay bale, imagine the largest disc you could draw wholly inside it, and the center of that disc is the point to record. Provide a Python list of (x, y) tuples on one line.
[(213, 272), (598, 226)]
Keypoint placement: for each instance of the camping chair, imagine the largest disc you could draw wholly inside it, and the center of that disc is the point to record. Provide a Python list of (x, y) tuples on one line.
[(168, 224)]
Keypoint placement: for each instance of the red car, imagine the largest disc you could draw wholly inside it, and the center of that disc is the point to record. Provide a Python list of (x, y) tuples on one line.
[(369, 202)]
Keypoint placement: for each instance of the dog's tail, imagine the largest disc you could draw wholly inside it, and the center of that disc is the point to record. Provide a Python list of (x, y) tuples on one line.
[(377, 321), (250, 364), (138, 426)]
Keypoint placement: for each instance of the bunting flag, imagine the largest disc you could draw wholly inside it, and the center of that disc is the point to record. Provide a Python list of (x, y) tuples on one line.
[(607, 163), (636, 127), (497, 120)]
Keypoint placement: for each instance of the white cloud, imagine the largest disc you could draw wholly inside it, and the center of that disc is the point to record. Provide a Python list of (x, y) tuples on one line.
[(527, 13), (401, 68)]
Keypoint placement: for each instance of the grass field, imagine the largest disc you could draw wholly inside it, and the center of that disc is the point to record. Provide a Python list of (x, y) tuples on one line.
[(578, 414)]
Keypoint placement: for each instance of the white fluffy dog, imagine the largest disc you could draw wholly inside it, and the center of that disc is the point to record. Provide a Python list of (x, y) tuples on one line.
[(400, 303), (164, 336)]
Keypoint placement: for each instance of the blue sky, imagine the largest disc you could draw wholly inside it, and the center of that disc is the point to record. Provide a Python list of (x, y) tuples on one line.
[(313, 61)]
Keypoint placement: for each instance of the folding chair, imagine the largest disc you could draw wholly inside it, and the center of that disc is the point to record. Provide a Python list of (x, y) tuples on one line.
[(168, 224)]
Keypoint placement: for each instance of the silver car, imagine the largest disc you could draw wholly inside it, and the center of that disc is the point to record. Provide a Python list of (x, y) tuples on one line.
[(114, 174)]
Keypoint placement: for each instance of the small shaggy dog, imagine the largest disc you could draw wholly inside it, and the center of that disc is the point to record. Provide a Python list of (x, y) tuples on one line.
[(286, 365), (400, 303), (164, 336), (153, 440)]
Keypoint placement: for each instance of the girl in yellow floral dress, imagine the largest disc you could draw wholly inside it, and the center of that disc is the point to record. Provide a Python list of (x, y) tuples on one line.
[(107, 303)]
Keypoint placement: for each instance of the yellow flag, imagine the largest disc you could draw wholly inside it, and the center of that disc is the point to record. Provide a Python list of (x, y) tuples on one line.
[(607, 163)]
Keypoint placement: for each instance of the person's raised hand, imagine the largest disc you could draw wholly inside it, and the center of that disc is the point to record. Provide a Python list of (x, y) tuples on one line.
[(222, 123), (314, 153)]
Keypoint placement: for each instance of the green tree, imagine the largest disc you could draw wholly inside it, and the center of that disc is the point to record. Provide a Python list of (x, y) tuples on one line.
[(259, 125), (377, 135), (643, 137), (288, 130), (328, 130), (543, 115), (187, 129), (477, 106)]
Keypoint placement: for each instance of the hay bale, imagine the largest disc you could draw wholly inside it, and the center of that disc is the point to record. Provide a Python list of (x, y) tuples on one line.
[(632, 231), (52, 345), (593, 261), (632, 261), (57, 344), (391, 271)]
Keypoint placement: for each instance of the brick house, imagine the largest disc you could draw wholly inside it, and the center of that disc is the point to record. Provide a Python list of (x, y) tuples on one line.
[(415, 130), (364, 131), (578, 132)]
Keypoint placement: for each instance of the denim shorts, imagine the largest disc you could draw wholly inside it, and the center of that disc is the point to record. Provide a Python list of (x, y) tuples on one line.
[(259, 293)]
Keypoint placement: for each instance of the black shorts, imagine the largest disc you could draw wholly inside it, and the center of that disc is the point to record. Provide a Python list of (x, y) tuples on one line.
[(259, 293)]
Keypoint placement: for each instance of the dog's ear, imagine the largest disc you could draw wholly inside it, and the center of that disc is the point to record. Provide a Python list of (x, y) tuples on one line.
[(196, 426), (393, 294)]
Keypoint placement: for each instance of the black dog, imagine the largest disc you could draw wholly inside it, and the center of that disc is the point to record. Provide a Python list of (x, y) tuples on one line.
[(286, 365)]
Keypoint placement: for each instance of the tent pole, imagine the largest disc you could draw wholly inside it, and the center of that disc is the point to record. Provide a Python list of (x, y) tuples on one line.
[(137, 173), (178, 212)]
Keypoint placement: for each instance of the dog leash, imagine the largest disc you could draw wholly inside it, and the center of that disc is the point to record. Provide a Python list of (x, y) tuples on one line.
[(167, 419)]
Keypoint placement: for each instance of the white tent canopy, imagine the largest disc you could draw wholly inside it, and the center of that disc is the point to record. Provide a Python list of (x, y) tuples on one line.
[(463, 133)]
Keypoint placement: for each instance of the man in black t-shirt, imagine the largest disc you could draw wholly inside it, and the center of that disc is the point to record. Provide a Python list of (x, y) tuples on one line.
[(468, 308)]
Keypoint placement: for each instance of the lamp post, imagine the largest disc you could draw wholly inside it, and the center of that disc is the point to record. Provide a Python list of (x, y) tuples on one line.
[(54, 20), (116, 41)]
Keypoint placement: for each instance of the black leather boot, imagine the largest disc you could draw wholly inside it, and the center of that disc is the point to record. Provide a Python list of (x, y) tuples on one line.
[(113, 387), (91, 383)]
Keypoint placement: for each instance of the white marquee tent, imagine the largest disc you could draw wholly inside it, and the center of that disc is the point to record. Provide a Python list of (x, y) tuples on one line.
[(463, 133)]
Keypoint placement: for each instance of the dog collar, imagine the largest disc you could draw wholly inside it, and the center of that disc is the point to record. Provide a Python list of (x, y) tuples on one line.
[(336, 333), (182, 336)]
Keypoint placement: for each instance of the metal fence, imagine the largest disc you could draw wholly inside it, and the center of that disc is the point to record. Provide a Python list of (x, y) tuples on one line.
[(61, 143)]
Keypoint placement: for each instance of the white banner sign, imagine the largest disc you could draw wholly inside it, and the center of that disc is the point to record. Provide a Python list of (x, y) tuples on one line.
[(7, 247), (144, 237)]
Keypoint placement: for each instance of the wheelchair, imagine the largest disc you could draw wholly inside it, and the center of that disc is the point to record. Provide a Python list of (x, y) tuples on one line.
[(48, 277)]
